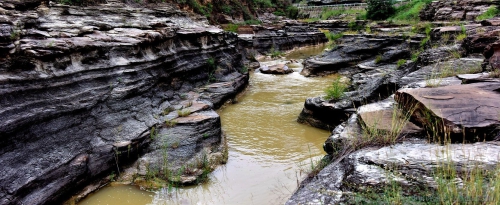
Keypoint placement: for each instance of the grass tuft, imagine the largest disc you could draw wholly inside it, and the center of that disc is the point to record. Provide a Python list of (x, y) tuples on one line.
[(336, 90), (490, 13)]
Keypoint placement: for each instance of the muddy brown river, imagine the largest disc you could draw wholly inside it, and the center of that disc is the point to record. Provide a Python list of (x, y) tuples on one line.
[(268, 149)]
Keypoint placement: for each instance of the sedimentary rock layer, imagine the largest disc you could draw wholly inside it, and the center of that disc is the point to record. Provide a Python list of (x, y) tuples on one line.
[(81, 86)]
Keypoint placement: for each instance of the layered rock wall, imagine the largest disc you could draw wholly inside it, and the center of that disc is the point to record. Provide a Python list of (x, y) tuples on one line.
[(78, 85), (456, 10)]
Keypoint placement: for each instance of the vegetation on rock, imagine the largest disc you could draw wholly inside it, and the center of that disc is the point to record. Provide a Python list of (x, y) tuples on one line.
[(379, 9)]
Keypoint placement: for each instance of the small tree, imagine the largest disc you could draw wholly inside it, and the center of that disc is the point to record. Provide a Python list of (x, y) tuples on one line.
[(379, 9)]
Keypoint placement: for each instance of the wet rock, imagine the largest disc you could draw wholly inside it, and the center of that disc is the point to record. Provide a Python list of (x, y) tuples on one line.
[(467, 111), (279, 69), (321, 114)]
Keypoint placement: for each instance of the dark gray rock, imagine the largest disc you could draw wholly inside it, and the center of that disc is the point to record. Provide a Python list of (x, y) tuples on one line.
[(351, 50), (82, 87)]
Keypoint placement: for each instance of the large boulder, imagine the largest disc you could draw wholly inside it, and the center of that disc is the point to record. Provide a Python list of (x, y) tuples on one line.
[(279, 69), (463, 112)]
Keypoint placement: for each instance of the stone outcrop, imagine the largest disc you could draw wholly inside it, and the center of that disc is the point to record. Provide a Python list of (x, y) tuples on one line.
[(357, 169), (456, 10), (81, 89), (435, 103), (460, 111), (351, 50), (410, 165)]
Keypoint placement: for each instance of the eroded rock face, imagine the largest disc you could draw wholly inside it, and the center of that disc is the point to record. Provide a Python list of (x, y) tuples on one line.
[(82, 88), (462, 111)]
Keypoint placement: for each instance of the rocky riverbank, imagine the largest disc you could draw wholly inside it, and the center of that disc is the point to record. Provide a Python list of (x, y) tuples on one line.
[(444, 114), (113, 90)]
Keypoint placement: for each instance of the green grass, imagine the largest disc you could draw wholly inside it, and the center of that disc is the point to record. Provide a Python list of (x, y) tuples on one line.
[(275, 53), (410, 10), (401, 62), (332, 38), (326, 14), (414, 55), (184, 112), (490, 13), (336, 90), (170, 123), (374, 135), (232, 28), (447, 69), (461, 37), (378, 59)]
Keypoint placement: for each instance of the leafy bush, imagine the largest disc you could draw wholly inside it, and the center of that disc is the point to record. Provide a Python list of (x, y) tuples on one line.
[(292, 12), (379, 9)]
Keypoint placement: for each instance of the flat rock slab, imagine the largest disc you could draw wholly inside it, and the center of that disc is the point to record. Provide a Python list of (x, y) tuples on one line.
[(196, 117), (470, 108), (383, 117)]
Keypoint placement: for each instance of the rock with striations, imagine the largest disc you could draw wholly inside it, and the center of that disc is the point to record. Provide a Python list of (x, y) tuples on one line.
[(84, 90), (469, 111)]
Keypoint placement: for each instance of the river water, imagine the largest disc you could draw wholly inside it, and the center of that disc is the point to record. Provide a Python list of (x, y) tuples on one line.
[(268, 150)]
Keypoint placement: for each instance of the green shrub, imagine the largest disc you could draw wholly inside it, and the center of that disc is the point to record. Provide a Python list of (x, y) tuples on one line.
[(379, 9), (332, 36), (292, 12), (264, 3), (336, 90), (410, 11), (490, 13)]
